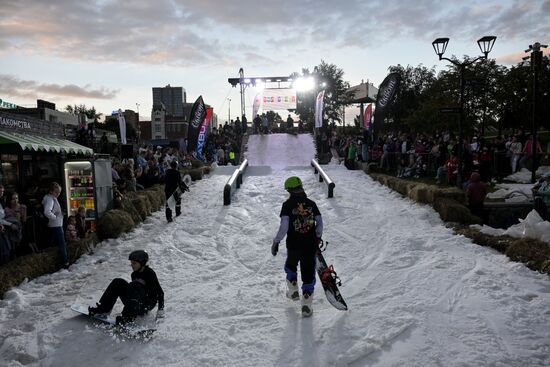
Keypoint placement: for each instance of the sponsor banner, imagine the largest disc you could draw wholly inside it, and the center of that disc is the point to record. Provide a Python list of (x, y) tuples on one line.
[(277, 99), (319, 109), (204, 131), (256, 105), (386, 92), (198, 111), (122, 126), (367, 117)]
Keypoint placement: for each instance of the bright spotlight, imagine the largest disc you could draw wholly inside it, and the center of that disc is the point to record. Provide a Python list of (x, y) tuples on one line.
[(247, 81), (304, 84)]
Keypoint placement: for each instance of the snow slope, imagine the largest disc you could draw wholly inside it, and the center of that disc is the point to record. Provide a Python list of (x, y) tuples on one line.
[(418, 295)]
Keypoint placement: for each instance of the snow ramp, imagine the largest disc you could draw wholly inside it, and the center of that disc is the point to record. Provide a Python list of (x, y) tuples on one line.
[(280, 151)]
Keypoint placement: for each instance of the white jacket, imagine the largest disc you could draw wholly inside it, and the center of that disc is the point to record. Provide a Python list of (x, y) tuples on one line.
[(52, 211)]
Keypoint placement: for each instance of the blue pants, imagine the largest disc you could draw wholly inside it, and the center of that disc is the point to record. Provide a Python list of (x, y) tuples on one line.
[(59, 239)]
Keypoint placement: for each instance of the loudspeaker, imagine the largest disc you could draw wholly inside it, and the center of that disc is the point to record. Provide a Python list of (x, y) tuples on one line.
[(126, 151)]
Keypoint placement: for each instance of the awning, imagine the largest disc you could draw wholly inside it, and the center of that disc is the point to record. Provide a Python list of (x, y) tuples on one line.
[(40, 143)]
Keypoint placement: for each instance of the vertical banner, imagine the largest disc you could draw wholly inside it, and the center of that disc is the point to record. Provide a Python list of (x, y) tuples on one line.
[(367, 116), (386, 92), (256, 105), (204, 131), (198, 111), (122, 126), (319, 109)]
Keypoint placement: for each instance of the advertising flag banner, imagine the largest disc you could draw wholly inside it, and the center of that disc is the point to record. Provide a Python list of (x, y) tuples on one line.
[(386, 92), (198, 112), (203, 132), (367, 116), (319, 109), (257, 104), (122, 126)]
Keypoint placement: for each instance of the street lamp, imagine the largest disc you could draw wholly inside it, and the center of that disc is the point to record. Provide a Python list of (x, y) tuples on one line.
[(536, 62), (485, 45)]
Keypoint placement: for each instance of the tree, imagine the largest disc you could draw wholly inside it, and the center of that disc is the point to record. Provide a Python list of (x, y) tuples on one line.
[(90, 113)]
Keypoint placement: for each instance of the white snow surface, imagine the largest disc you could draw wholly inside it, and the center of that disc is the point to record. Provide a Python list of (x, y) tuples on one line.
[(418, 295)]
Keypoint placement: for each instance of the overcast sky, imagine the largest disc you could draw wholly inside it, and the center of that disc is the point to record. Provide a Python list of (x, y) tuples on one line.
[(109, 54)]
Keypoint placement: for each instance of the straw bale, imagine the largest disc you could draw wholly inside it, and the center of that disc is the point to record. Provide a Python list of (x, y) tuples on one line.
[(534, 254), (196, 174), (452, 193), (421, 193), (113, 223), (129, 207), (452, 211), (143, 206)]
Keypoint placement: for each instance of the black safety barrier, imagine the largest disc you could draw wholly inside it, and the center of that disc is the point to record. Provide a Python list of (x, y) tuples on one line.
[(323, 177), (234, 182)]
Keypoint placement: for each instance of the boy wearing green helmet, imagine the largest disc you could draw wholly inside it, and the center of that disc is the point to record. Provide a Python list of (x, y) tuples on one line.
[(302, 224)]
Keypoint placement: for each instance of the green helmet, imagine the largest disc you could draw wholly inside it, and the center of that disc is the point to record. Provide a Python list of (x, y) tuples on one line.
[(293, 182)]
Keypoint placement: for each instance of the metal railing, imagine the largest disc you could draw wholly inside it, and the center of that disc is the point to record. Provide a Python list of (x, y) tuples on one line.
[(234, 182), (323, 177)]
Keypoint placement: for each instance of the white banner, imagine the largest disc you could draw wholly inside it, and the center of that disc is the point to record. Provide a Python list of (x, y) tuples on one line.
[(256, 105), (122, 125), (319, 109), (278, 99)]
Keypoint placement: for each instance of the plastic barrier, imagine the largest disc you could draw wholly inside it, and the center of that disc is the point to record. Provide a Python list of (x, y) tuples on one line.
[(234, 182), (323, 177)]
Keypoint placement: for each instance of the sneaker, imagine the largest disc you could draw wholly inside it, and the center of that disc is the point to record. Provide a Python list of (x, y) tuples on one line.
[(292, 290), (307, 301), (99, 309)]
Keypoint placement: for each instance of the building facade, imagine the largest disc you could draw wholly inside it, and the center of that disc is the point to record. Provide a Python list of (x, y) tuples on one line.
[(172, 98)]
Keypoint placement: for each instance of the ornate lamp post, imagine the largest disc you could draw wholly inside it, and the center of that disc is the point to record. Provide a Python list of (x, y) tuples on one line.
[(485, 45), (536, 62)]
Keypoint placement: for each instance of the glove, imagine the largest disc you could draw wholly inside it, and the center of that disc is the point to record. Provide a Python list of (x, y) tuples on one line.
[(160, 314), (274, 248), (318, 241)]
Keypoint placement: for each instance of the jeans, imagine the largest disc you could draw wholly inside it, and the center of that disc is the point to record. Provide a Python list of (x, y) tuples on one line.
[(59, 239)]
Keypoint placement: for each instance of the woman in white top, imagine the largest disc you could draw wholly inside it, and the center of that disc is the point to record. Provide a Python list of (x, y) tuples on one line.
[(52, 211)]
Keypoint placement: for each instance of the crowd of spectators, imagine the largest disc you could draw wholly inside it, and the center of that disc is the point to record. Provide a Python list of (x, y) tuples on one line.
[(436, 155)]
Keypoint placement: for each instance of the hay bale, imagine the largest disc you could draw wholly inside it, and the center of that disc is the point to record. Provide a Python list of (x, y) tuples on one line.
[(113, 223), (499, 243), (452, 193), (154, 198), (421, 193), (129, 207), (143, 206), (452, 211), (206, 170), (196, 174), (534, 254), (401, 186), (75, 249)]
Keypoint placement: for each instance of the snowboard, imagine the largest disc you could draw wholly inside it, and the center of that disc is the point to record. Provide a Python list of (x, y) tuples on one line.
[(138, 329), (329, 280), (171, 202)]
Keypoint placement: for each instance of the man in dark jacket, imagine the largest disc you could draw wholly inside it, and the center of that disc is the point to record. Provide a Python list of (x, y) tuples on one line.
[(302, 225), (139, 296), (476, 191), (173, 182)]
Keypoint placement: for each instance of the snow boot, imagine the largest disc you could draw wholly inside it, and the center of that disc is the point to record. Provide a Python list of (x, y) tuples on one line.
[(307, 301), (292, 290)]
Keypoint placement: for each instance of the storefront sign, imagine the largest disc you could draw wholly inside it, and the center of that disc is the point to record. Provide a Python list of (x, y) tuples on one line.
[(13, 123), (6, 104)]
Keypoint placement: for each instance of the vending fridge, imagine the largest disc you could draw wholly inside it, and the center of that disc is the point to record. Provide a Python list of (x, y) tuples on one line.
[(88, 184)]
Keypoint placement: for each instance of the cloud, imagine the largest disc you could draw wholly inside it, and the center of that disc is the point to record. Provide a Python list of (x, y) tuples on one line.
[(209, 32), (11, 85)]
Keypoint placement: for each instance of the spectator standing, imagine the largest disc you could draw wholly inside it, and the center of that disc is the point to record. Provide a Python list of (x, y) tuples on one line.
[(515, 149), (52, 211), (16, 213), (476, 192), (528, 153)]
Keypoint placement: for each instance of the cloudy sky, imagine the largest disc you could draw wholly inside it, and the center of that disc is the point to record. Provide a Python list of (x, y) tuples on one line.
[(109, 54)]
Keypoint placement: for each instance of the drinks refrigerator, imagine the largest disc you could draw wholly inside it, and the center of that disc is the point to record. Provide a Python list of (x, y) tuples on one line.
[(88, 184)]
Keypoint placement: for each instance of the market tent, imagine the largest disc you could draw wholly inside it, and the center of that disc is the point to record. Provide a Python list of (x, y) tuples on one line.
[(38, 143)]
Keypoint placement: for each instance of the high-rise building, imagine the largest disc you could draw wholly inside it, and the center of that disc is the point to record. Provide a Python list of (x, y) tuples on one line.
[(172, 98)]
